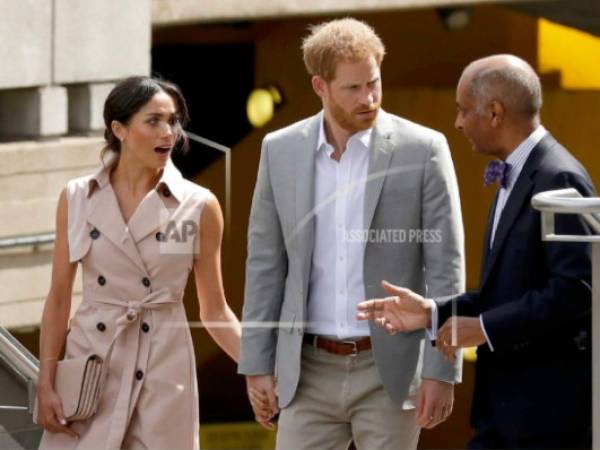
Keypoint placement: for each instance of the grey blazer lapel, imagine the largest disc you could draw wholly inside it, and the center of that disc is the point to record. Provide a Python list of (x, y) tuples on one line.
[(380, 156), (304, 167)]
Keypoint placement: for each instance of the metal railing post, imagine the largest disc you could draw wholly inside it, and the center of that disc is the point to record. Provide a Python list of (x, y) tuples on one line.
[(569, 201)]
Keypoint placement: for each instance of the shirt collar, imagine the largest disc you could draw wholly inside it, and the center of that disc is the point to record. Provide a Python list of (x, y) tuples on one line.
[(519, 156), (363, 136), (525, 147), (171, 177)]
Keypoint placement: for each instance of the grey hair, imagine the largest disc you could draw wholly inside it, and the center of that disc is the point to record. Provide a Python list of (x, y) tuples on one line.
[(519, 90)]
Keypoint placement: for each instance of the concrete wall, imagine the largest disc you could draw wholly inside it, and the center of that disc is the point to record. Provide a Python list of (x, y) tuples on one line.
[(31, 177), (48, 45), (172, 12), (101, 40), (26, 50)]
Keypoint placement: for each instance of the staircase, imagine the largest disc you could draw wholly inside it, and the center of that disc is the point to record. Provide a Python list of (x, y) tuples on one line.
[(18, 375)]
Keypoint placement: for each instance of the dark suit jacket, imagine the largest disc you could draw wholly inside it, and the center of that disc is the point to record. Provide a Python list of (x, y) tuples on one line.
[(535, 299)]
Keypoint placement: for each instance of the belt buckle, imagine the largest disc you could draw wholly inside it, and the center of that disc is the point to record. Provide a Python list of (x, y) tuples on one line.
[(354, 347)]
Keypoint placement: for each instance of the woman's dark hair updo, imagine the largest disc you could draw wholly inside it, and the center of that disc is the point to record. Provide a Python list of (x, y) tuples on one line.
[(129, 96)]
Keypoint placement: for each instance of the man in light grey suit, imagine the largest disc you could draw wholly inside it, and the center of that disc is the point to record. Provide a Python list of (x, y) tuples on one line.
[(344, 199)]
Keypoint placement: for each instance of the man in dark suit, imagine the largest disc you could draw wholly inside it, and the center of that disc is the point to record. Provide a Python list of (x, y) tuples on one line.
[(530, 317)]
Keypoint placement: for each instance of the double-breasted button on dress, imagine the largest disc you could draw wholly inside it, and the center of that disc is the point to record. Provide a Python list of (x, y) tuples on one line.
[(132, 312)]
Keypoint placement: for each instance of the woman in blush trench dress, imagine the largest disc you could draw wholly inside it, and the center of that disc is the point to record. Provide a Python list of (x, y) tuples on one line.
[(138, 228)]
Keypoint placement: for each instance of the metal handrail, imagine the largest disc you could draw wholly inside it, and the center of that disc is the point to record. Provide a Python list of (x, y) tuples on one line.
[(17, 357), (22, 363), (567, 201), (26, 240)]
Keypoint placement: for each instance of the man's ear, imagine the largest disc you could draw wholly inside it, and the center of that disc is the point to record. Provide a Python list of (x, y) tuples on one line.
[(497, 112), (319, 85)]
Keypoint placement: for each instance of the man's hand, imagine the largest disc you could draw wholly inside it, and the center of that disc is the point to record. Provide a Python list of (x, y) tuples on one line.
[(262, 392), (435, 400), (459, 332), (405, 310)]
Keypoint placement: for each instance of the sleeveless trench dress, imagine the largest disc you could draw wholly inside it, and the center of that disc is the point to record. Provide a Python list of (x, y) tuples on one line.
[(134, 276)]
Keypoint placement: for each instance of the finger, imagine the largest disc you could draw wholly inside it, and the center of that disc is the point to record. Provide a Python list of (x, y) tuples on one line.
[(62, 421), (393, 289), (364, 316), (58, 413), (450, 353), (447, 411), (420, 404), (261, 406), (266, 424), (258, 396), (273, 404), (436, 416), (52, 425), (366, 306), (427, 418), (69, 431), (450, 331), (262, 411), (443, 334), (390, 329), (425, 421)]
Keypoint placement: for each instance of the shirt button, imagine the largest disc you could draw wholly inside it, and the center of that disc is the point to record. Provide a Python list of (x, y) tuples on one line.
[(139, 374), (101, 280), (146, 281), (94, 234), (145, 327), (161, 237), (100, 326)]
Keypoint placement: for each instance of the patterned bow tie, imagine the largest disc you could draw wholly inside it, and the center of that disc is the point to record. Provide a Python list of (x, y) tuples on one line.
[(496, 170)]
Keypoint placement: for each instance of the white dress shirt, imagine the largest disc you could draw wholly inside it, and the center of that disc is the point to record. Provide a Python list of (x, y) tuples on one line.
[(336, 276), (517, 160)]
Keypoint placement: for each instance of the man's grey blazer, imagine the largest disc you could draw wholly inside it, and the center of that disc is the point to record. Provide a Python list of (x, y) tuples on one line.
[(415, 239)]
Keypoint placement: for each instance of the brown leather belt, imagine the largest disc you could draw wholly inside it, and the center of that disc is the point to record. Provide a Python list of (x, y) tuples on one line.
[(344, 348)]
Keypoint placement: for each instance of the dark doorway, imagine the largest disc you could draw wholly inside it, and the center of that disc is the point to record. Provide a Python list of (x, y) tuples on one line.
[(216, 80)]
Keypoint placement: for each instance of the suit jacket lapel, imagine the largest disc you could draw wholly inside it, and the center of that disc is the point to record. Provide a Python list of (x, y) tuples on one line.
[(488, 233), (519, 196), (380, 156), (304, 153)]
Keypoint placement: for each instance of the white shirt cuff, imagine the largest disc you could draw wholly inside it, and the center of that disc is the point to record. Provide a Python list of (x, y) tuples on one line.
[(432, 331), (487, 339)]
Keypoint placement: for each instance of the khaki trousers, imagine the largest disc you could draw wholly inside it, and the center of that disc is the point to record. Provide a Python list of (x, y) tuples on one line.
[(339, 399)]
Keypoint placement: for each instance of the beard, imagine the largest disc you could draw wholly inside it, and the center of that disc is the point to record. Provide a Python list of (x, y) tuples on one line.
[(354, 121)]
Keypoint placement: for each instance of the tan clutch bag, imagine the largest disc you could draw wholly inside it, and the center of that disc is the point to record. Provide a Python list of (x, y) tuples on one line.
[(78, 383)]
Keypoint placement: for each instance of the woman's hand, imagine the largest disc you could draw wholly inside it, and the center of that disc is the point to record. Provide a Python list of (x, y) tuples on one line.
[(50, 414)]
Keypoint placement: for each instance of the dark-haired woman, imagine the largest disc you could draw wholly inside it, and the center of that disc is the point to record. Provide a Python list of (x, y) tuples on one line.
[(138, 228)]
